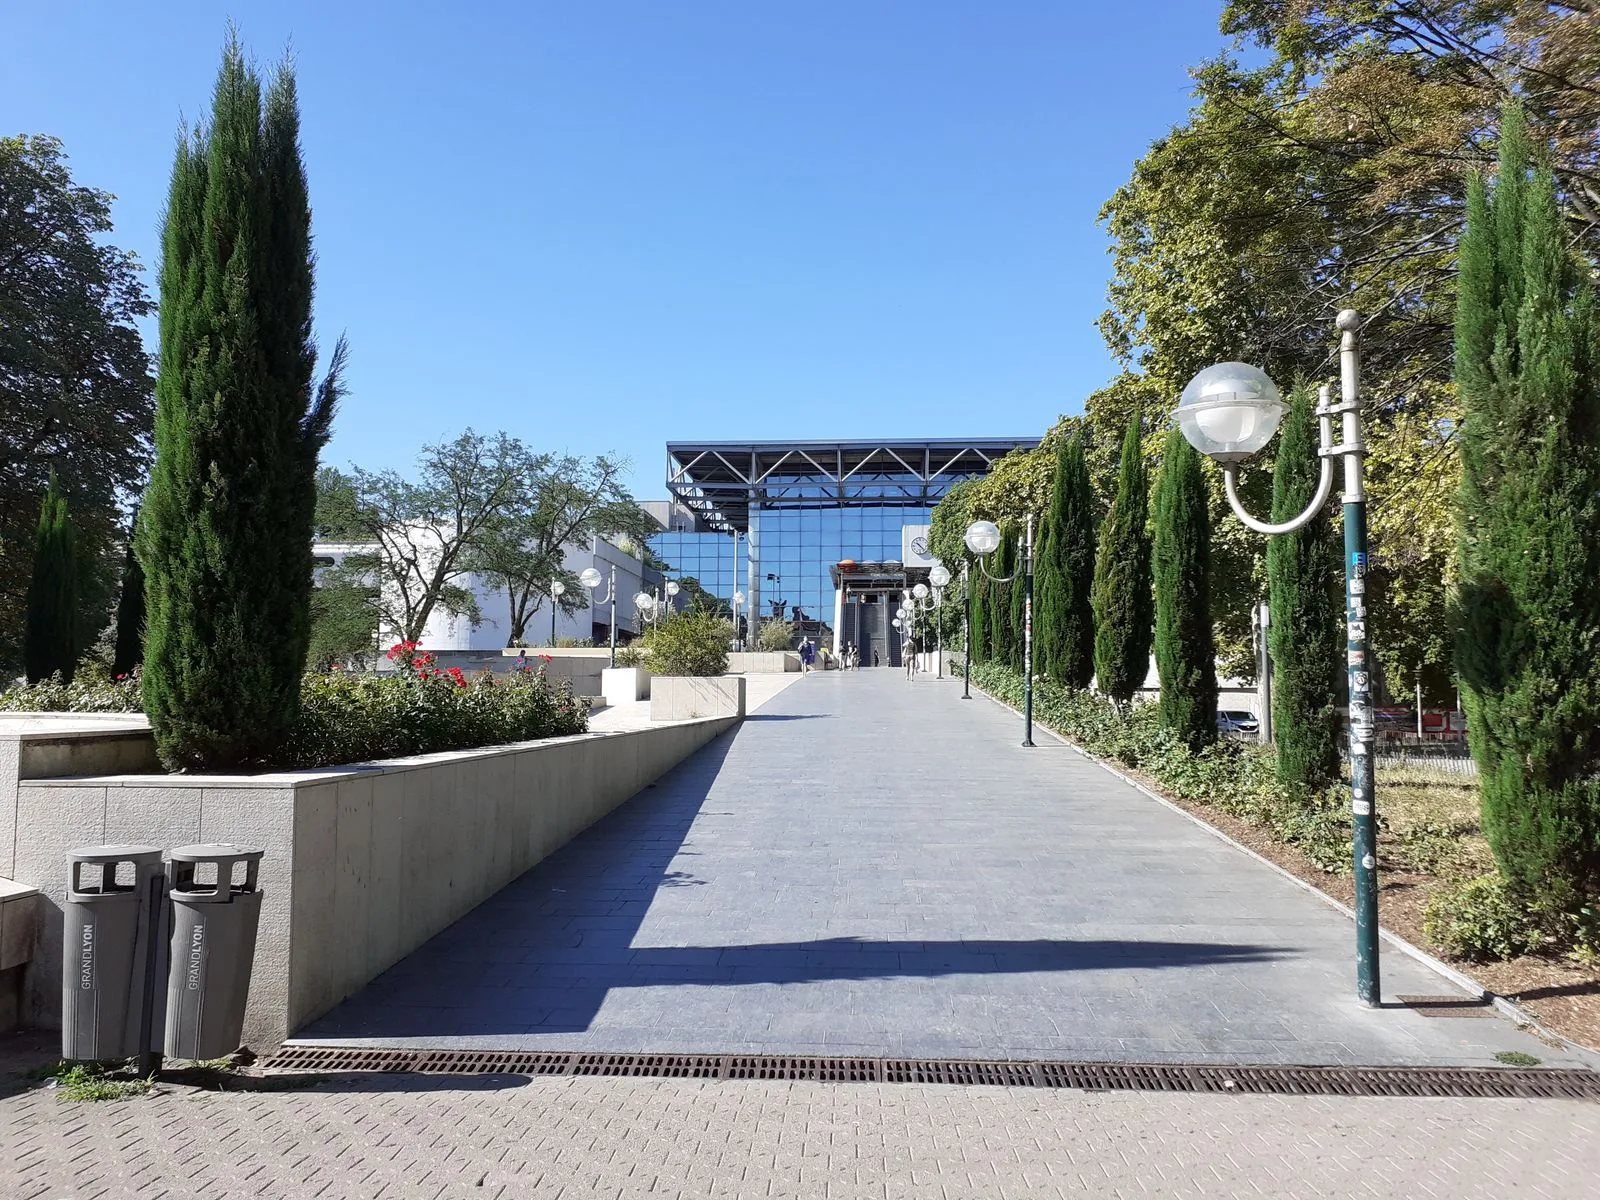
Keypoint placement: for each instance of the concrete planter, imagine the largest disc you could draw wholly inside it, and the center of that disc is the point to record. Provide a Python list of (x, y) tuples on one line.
[(363, 863), (687, 697), (625, 685)]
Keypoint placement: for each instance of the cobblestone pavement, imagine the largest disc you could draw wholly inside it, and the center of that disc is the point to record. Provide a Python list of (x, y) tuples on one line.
[(871, 866), (599, 1139)]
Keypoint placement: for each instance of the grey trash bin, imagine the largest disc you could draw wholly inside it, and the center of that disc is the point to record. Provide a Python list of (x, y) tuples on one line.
[(107, 944), (214, 922)]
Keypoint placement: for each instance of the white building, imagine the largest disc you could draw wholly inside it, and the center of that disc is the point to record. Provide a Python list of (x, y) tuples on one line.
[(446, 631)]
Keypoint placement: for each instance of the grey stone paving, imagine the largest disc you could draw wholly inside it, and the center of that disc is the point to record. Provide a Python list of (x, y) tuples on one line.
[(397, 1136), (871, 866)]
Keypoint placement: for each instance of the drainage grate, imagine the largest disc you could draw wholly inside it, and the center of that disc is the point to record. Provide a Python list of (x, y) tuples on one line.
[(1447, 1006), (1546, 1083)]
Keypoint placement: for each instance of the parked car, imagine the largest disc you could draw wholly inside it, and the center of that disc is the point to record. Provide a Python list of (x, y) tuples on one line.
[(1237, 720)]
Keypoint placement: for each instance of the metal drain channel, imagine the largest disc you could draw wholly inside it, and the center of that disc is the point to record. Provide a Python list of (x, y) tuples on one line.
[(1540, 1083)]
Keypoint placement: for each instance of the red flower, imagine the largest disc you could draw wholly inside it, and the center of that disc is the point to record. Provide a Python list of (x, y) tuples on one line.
[(456, 675), (547, 657)]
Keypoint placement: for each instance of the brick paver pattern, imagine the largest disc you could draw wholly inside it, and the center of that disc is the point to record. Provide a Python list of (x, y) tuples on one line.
[(606, 1139), (872, 866)]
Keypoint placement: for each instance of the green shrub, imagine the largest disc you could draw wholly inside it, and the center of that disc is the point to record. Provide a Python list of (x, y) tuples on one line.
[(1482, 919), (689, 643), (92, 690), (631, 655), (775, 635), (355, 718)]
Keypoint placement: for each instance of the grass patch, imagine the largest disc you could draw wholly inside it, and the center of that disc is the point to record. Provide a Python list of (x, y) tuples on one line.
[(81, 1082), (1516, 1058)]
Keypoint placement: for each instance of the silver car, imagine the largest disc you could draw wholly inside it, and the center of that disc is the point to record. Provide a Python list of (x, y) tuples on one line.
[(1237, 720)]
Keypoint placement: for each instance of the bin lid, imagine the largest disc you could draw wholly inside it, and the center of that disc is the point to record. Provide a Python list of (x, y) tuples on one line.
[(116, 853), (214, 852)]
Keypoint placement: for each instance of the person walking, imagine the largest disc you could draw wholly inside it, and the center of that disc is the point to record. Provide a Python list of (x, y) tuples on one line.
[(911, 648), (808, 655)]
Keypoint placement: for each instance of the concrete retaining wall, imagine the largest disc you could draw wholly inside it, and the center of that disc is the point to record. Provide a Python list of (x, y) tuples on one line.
[(763, 663), (363, 864), (687, 697)]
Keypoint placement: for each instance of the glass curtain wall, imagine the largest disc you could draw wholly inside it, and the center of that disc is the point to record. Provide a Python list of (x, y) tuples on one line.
[(798, 546)]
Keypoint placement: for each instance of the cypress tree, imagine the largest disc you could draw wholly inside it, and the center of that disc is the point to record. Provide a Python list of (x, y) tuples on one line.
[(1015, 617), (225, 537), (1123, 606), (49, 646), (999, 612), (980, 598), (129, 652), (1307, 632), (1063, 611), (1181, 565), (1528, 610)]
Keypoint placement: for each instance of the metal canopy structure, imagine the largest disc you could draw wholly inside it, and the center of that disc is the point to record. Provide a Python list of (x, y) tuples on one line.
[(720, 481)]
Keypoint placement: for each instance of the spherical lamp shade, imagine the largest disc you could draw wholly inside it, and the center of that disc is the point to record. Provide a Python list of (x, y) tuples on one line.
[(672, 587), (983, 538), (557, 588), (1229, 411), (590, 578), (738, 597), (895, 622), (920, 591), (644, 601), (939, 577)]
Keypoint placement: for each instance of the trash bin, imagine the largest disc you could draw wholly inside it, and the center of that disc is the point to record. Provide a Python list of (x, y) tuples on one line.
[(108, 944), (214, 922)]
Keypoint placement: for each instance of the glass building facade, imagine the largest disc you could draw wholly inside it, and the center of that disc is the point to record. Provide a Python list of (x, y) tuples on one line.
[(797, 547)]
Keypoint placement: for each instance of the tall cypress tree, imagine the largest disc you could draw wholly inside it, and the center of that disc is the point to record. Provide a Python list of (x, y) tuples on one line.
[(1528, 611), (1307, 632), (1123, 606), (1016, 618), (1186, 655), (129, 651), (49, 646), (999, 608), (1064, 614), (980, 600), (225, 536)]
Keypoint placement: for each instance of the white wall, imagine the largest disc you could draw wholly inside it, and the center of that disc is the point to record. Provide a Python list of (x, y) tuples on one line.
[(447, 632)]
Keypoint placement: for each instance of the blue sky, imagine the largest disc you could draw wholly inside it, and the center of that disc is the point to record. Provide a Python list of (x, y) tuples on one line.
[(604, 225)]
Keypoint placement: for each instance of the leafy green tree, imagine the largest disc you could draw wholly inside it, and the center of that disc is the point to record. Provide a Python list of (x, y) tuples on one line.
[(76, 393), (129, 648), (1307, 632), (1528, 366), (50, 645), (225, 530), (947, 528), (1123, 607), (1064, 621), (1186, 655)]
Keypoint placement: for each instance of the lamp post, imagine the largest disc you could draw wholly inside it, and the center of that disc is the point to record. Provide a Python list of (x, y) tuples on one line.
[(557, 590), (919, 601), (1229, 412), (644, 603), (738, 599), (672, 590), (983, 539), (940, 578), (590, 578)]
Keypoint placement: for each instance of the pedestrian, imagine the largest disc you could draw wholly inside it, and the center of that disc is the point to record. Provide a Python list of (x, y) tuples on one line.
[(911, 656), (808, 655), (875, 661), (522, 661)]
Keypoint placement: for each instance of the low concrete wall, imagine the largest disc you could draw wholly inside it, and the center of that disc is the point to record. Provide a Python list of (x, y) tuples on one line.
[(363, 864), (688, 697), (625, 685), (762, 663)]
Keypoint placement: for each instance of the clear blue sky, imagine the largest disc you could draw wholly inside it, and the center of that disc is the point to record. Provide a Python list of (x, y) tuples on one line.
[(604, 225)]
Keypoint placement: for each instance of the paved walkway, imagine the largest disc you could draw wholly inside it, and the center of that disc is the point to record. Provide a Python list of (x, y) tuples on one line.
[(871, 866), (378, 1137)]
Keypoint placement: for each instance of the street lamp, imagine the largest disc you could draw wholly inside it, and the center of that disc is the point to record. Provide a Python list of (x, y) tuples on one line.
[(738, 599), (557, 590), (590, 578), (983, 539), (645, 603), (672, 590), (940, 578), (1229, 412)]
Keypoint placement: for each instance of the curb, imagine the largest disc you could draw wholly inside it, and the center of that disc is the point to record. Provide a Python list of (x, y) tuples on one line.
[(1505, 1007)]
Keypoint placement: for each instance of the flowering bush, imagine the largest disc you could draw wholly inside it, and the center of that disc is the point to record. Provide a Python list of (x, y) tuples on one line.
[(353, 718), (92, 690)]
